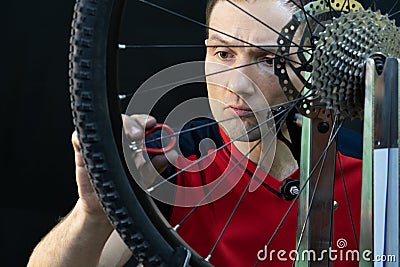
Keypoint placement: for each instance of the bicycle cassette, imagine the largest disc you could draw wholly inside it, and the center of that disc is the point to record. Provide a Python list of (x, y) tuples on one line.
[(296, 44), (339, 59)]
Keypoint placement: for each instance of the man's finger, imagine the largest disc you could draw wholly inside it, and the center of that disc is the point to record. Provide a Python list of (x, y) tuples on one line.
[(135, 125), (160, 162), (151, 169), (145, 120), (78, 155)]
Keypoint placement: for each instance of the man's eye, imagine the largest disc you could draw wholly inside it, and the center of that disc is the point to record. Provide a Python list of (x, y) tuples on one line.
[(224, 55), (268, 60)]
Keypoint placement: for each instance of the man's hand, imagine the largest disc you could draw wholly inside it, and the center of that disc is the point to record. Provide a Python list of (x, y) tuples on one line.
[(80, 238), (134, 127), (87, 196)]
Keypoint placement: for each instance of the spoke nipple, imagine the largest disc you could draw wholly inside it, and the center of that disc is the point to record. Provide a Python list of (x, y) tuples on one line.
[(208, 258), (121, 46), (298, 119), (335, 205), (176, 227), (151, 189), (122, 97)]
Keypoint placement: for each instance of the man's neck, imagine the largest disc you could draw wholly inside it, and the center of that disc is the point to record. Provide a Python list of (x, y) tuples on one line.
[(279, 161)]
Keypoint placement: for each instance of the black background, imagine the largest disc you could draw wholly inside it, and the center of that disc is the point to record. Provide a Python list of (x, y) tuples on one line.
[(37, 169)]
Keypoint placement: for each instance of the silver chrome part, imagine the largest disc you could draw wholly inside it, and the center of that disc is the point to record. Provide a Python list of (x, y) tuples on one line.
[(294, 190), (136, 147), (315, 202), (379, 232), (187, 259)]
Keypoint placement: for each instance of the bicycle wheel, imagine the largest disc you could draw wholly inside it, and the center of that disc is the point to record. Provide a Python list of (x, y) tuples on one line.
[(94, 62)]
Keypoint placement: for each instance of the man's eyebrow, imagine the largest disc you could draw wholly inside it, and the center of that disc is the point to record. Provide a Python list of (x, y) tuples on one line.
[(271, 48), (220, 39)]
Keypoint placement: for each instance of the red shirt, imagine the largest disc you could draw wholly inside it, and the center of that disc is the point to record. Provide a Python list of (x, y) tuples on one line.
[(259, 212)]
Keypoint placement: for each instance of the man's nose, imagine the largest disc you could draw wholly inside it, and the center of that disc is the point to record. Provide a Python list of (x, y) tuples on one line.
[(240, 82)]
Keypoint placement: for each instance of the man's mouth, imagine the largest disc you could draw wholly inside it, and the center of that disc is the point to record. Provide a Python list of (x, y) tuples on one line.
[(240, 110)]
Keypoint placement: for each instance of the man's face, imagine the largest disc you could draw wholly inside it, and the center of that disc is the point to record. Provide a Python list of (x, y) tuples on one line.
[(254, 87)]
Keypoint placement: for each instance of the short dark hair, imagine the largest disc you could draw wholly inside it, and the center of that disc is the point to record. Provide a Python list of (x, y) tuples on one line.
[(295, 5), (292, 3)]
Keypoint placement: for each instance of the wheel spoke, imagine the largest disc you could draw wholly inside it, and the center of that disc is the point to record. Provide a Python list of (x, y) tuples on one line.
[(207, 26), (263, 23), (348, 201), (331, 9), (344, 5), (279, 121), (127, 95), (301, 189), (246, 189), (306, 13), (324, 154), (210, 154), (141, 46), (394, 14), (393, 7), (224, 120), (223, 146)]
